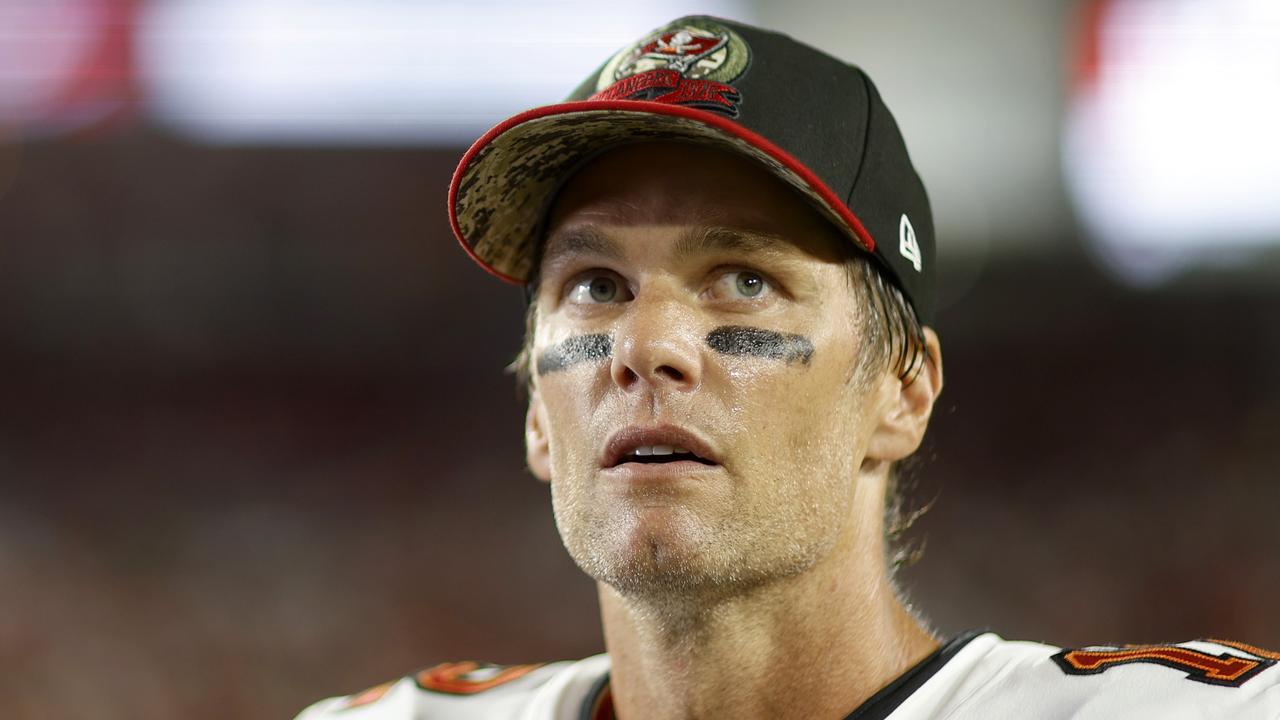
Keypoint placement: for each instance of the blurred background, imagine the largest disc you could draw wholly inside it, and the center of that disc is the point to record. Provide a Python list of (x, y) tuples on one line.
[(256, 444)]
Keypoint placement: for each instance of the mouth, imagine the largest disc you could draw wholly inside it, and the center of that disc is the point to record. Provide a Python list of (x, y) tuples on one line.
[(649, 454), (657, 445)]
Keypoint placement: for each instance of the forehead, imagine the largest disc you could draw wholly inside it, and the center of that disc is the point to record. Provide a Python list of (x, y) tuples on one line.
[(672, 184)]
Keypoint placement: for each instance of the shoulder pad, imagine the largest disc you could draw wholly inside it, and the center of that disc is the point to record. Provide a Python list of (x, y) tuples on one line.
[(457, 690), (996, 678)]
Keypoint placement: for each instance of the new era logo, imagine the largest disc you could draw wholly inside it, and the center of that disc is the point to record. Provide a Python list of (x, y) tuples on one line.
[(907, 244)]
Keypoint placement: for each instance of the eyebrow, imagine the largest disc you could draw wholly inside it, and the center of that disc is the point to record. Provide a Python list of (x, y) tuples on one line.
[(587, 239), (584, 239), (711, 240)]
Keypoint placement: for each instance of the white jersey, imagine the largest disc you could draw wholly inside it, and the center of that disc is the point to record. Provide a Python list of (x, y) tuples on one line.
[(974, 677)]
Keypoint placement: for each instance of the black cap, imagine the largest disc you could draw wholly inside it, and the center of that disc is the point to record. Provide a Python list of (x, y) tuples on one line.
[(812, 120)]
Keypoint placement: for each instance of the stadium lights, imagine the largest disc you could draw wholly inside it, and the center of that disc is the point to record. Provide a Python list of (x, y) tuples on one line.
[(372, 71), (1171, 147), (64, 65)]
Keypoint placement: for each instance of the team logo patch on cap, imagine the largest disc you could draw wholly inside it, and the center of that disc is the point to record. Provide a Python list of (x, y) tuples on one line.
[(686, 64)]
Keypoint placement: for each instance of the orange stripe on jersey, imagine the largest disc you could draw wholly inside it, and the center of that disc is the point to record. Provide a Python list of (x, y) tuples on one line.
[(1248, 648), (1200, 665), (370, 696), (468, 678)]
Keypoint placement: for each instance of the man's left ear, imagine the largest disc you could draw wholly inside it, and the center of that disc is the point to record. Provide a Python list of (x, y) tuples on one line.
[(537, 447), (907, 410)]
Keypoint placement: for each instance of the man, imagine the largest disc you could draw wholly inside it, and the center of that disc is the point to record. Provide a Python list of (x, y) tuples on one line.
[(729, 260)]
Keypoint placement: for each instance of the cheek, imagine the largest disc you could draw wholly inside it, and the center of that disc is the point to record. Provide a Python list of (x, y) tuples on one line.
[(823, 429), (810, 418), (569, 426)]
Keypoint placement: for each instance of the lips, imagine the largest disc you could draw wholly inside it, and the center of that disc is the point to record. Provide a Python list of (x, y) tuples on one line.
[(657, 444)]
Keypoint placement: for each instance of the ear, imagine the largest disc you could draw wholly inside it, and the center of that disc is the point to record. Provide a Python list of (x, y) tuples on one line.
[(906, 410), (537, 447)]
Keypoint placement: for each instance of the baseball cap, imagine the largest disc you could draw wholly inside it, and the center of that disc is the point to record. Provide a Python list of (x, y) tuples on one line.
[(814, 121)]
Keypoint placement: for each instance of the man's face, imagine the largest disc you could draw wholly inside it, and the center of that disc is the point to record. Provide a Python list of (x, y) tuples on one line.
[(689, 300)]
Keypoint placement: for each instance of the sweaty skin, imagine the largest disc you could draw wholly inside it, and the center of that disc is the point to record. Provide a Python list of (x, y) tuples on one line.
[(577, 349), (752, 585), (737, 340)]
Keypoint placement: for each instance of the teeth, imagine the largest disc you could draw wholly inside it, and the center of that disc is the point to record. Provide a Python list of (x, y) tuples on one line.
[(648, 450)]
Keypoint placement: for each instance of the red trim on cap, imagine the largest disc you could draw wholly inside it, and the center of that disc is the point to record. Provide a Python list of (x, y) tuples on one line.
[(715, 121), (453, 200)]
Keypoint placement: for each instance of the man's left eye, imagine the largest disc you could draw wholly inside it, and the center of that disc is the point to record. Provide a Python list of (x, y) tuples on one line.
[(742, 284)]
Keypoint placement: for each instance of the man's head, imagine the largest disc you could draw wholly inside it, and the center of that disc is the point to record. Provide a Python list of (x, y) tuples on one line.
[(732, 259), (688, 298)]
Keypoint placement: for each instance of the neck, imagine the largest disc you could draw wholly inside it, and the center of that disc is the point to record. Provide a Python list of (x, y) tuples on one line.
[(815, 645)]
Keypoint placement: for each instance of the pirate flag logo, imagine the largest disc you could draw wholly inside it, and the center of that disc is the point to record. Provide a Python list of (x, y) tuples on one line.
[(687, 64)]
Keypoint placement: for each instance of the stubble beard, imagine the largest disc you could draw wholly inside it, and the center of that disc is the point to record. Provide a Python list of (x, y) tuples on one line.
[(688, 560)]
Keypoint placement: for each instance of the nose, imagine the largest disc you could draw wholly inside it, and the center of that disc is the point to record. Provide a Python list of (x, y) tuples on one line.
[(657, 348)]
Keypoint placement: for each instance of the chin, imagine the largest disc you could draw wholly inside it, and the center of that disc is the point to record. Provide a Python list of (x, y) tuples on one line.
[(650, 550), (674, 552)]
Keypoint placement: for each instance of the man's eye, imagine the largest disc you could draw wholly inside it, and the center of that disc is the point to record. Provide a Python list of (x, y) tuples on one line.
[(595, 289), (742, 284)]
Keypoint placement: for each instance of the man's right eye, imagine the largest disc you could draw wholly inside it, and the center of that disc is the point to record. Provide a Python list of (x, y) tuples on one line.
[(595, 289)]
